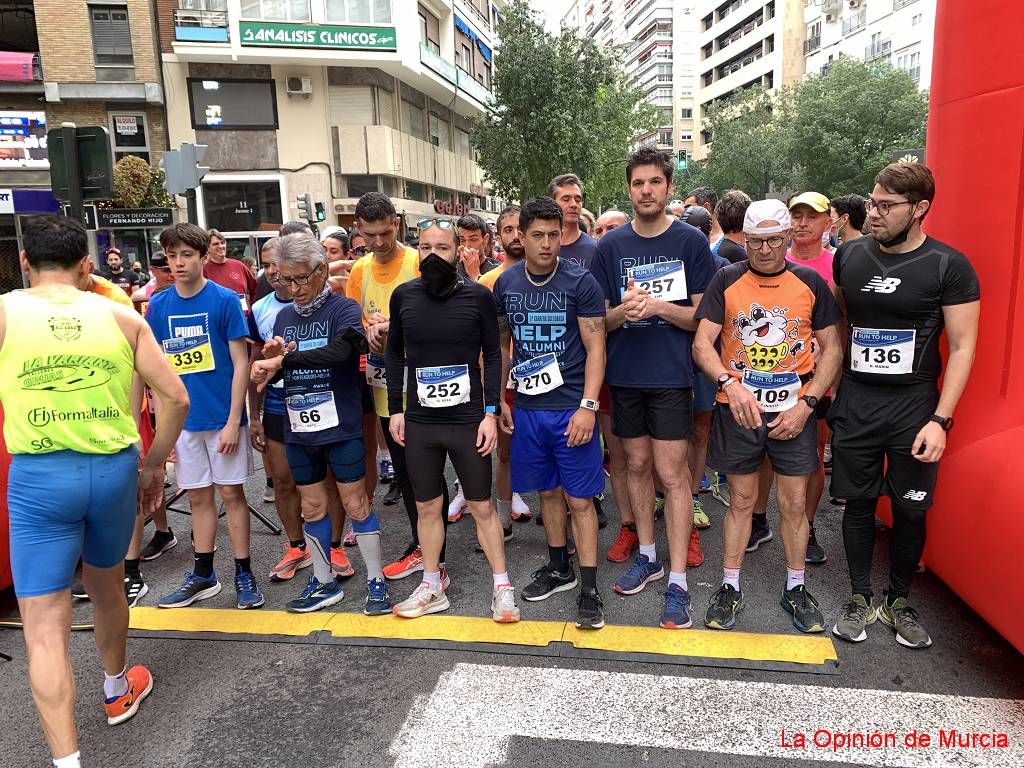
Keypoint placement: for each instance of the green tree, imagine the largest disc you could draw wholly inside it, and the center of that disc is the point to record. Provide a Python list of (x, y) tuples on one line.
[(843, 127), (561, 105)]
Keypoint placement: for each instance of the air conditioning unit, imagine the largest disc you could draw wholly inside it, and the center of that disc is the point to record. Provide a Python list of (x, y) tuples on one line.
[(854, 4), (299, 86), (830, 17)]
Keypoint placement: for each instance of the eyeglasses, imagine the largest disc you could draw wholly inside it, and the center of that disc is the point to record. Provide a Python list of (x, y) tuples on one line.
[(439, 223), (359, 250), (757, 243), (302, 280), (884, 207)]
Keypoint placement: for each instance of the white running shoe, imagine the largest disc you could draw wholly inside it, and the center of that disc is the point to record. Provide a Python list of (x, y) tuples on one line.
[(520, 509), (503, 605), (423, 600), (457, 507)]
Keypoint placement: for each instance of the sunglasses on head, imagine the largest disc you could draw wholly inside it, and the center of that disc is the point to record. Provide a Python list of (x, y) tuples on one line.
[(439, 223)]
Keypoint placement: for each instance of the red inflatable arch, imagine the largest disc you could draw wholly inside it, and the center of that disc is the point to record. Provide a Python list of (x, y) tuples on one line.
[(976, 150)]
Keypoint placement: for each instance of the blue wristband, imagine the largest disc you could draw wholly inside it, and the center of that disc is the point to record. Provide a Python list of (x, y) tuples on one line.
[(491, 409)]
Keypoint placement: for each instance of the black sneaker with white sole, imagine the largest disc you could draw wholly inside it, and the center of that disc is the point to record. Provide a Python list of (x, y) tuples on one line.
[(760, 532), (589, 610), (134, 589), (507, 537), (160, 543), (78, 589), (547, 581)]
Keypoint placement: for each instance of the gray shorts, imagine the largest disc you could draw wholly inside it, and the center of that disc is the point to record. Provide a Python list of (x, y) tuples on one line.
[(736, 450)]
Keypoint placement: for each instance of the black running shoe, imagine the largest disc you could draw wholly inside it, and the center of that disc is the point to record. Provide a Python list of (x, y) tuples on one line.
[(160, 543), (760, 532), (547, 581), (78, 589), (589, 610), (134, 589), (393, 496), (724, 606), (507, 537), (815, 552), (804, 609)]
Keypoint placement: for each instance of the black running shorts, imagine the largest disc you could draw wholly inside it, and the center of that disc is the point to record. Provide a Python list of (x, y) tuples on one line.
[(737, 450), (426, 448), (273, 426), (663, 414)]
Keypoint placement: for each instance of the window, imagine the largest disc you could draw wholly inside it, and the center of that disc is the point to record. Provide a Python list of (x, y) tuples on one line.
[(233, 104), (665, 137), (430, 29), (462, 146), (439, 132), (128, 135), (412, 119), (242, 206), (358, 11), (916, 19), (111, 35), (276, 10), (464, 58), (415, 191), (203, 5), (350, 104), (686, 113), (357, 186), (686, 136)]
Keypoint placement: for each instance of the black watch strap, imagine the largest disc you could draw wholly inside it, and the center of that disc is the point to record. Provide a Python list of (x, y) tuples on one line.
[(946, 422)]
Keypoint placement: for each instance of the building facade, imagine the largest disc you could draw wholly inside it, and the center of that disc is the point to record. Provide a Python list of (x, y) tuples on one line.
[(898, 32), (331, 98)]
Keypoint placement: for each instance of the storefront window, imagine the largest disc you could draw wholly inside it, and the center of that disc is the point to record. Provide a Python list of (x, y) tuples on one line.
[(242, 206), (129, 136)]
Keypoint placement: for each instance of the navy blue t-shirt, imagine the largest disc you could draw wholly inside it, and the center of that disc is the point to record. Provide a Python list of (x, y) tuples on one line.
[(543, 321), (581, 253), (652, 353), (261, 330), (324, 405)]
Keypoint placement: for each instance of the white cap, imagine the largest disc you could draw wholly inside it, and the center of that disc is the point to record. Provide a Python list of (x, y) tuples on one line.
[(761, 211), (328, 231)]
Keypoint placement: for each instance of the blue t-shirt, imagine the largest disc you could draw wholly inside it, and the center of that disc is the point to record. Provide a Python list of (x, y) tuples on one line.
[(194, 334), (652, 353), (261, 330), (543, 321), (323, 405), (580, 253)]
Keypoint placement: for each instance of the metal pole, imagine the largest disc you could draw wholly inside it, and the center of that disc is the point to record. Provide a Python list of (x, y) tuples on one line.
[(193, 210), (69, 134)]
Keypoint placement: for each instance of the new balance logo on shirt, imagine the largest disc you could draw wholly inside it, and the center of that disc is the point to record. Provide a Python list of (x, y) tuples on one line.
[(880, 284), (915, 495)]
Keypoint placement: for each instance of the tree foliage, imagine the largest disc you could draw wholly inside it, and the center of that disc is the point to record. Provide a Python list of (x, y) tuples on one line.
[(137, 185), (561, 105)]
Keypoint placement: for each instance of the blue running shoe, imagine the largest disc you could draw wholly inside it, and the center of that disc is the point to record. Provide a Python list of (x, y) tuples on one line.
[(248, 594), (316, 596), (705, 484), (639, 575), (192, 588), (677, 608), (378, 599)]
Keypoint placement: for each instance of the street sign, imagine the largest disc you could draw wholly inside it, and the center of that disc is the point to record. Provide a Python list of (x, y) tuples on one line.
[(908, 155), (89, 219), (134, 218), (95, 162)]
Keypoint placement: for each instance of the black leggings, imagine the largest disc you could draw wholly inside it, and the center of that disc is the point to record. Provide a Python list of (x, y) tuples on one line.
[(405, 484), (906, 544)]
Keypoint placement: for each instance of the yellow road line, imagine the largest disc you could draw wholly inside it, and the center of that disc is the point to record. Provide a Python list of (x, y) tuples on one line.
[(797, 649)]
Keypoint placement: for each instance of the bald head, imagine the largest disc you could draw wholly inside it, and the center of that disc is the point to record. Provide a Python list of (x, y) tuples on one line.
[(608, 221)]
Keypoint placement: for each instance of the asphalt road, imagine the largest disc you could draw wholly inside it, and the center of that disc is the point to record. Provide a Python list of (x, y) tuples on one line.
[(232, 702)]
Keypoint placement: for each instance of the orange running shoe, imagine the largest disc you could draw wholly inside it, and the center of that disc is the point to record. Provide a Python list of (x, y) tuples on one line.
[(340, 566), (624, 546), (408, 565), (694, 555), (140, 684), (294, 559)]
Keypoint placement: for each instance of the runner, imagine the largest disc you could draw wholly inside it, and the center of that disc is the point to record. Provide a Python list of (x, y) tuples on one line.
[(203, 333), (115, 273), (847, 215), (317, 342), (551, 313), (577, 246), (653, 273), (764, 314), (900, 288), (230, 273), (707, 198), (607, 221), (75, 483), (162, 280), (441, 325), (729, 214), (475, 257)]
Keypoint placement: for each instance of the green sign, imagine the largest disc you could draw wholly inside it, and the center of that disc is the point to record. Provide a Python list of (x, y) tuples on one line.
[(277, 35), (95, 161)]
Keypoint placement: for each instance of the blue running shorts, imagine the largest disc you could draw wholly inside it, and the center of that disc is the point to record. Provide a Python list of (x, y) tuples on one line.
[(541, 460), (309, 463)]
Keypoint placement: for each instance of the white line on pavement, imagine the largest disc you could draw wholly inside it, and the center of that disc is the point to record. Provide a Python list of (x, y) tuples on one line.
[(868, 727)]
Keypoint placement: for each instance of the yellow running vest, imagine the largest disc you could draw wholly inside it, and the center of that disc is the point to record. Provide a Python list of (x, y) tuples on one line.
[(65, 376)]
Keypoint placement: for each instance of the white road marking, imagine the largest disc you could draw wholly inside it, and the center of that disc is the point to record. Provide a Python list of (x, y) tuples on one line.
[(495, 703)]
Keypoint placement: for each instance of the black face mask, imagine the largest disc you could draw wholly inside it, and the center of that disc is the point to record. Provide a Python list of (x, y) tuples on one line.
[(902, 236), (440, 278)]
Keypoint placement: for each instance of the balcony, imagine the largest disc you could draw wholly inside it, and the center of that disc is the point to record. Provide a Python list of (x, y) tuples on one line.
[(855, 23), (881, 49), (475, 89), (732, 8), (812, 44), (897, 4), (831, 6), (201, 26), (915, 74), (740, 33), (433, 61), (20, 72)]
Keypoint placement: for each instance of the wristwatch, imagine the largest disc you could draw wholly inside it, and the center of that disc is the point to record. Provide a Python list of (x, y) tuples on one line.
[(946, 422), (491, 410), (724, 379), (590, 405), (811, 401)]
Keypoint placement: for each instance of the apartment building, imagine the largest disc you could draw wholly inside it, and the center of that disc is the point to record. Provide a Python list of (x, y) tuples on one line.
[(898, 32), (333, 98)]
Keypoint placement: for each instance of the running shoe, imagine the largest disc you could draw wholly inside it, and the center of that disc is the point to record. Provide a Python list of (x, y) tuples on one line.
[(804, 609), (506, 537), (905, 621), (160, 543), (386, 470), (520, 509), (503, 605), (457, 507), (624, 546), (720, 489), (857, 615), (294, 559), (78, 589), (705, 484), (268, 492), (134, 590), (192, 589), (316, 596), (378, 598), (659, 505), (340, 565), (694, 553), (640, 574), (121, 708), (446, 580), (602, 518), (676, 614), (700, 517), (350, 538), (422, 601), (407, 565), (724, 606), (247, 592), (393, 496), (760, 532), (547, 581), (815, 552), (826, 459), (589, 610)]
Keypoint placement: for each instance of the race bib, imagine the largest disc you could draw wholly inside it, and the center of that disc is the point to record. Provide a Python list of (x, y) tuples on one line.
[(775, 392), (312, 413), (376, 373), (539, 375), (880, 351), (666, 280), (190, 354), (442, 386), (245, 302)]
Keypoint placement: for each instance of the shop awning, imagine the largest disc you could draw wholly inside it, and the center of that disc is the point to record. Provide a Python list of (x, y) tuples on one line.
[(465, 29)]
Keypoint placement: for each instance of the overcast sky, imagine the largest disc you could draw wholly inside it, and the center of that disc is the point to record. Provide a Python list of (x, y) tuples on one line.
[(548, 10)]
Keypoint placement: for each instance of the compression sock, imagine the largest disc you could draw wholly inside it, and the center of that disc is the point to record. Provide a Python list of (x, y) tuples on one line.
[(368, 540), (318, 542)]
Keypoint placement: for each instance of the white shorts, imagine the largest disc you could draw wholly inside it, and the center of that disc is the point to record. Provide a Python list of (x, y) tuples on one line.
[(199, 465)]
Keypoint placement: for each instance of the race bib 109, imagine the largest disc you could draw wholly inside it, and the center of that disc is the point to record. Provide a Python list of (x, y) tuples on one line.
[(190, 354), (775, 392), (442, 386), (666, 280), (538, 376), (886, 352), (312, 413)]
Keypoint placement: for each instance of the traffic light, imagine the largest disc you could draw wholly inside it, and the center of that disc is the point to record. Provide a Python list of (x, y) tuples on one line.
[(321, 212), (682, 161), (174, 179), (182, 169), (306, 209)]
